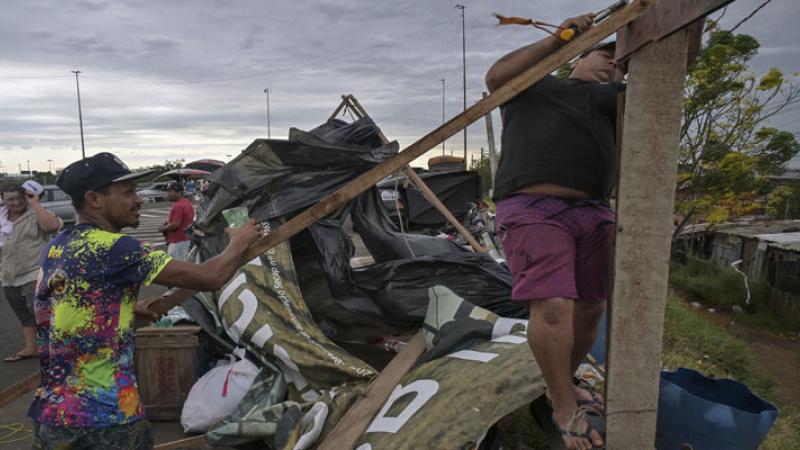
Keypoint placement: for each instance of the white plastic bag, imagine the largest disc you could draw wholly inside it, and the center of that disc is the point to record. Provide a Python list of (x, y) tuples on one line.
[(217, 393)]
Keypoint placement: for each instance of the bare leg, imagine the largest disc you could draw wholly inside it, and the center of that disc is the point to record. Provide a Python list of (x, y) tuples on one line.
[(551, 338), (586, 322), (29, 333)]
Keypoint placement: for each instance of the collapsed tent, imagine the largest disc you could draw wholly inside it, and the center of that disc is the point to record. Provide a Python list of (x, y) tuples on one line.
[(296, 306)]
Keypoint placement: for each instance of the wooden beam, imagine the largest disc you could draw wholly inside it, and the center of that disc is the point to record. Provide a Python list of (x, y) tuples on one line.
[(645, 203), (434, 200), (500, 96), (665, 18), (422, 186), (20, 388), (194, 442), (354, 423)]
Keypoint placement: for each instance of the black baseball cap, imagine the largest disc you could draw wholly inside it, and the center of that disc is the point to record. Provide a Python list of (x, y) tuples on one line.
[(94, 173)]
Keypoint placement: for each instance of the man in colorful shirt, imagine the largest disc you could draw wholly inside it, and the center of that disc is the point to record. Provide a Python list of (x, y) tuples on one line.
[(85, 303), (181, 217)]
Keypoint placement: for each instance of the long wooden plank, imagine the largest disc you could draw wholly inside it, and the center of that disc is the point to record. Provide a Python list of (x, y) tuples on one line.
[(665, 18), (503, 94), (423, 187), (353, 424), (20, 388), (646, 193), (434, 200), (195, 442)]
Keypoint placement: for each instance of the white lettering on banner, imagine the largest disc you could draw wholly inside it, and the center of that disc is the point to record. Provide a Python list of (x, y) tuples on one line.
[(315, 417), (255, 261), (423, 390), (504, 325), (289, 368), (249, 305), (472, 355), (511, 339), (230, 288), (261, 336), (364, 447)]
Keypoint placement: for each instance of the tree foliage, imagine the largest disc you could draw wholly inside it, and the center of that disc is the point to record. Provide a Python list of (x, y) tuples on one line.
[(727, 151)]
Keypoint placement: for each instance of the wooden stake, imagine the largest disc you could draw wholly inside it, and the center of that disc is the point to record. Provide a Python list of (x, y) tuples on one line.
[(503, 94), (645, 203), (353, 424), (194, 442), (20, 388)]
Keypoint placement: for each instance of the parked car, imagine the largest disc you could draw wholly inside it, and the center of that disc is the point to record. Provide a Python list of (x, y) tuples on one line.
[(156, 191), (57, 201)]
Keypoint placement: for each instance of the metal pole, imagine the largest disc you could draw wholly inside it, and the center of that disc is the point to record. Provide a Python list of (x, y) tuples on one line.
[(30, 174), (269, 135), (442, 80), (464, 73), (80, 113), (492, 150)]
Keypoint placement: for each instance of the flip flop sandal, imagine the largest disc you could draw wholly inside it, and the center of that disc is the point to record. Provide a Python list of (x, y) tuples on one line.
[(595, 408), (18, 357), (579, 413)]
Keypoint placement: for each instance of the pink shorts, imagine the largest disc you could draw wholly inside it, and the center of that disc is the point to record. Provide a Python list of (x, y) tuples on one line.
[(556, 247)]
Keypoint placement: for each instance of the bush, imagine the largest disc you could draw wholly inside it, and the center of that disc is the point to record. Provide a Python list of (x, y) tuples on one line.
[(717, 287)]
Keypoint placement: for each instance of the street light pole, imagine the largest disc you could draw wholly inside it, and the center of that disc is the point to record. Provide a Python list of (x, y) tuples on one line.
[(80, 113), (442, 80), (464, 73), (269, 135)]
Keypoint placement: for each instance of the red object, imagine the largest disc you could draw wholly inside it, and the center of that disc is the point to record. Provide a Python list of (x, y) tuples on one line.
[(183, 213)]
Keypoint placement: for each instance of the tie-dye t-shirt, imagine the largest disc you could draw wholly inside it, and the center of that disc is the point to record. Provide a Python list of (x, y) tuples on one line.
[(84, 306)]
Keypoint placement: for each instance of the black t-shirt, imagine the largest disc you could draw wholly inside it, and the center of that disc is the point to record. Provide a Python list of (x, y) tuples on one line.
[(561, 132)]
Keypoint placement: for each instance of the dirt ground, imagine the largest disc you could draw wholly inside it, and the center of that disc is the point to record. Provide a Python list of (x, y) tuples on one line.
[(776, 356)]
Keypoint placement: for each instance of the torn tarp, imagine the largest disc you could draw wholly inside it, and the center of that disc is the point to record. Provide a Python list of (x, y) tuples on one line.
[(291, 305)]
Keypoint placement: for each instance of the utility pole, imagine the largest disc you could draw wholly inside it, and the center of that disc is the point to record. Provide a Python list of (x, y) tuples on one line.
[(30, 174), (442, 80), (464, 73), (50, 165), (80, 113), (269, 135), (492, 150)]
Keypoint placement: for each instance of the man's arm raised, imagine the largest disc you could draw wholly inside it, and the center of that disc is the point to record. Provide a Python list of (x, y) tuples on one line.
[(521, 59)]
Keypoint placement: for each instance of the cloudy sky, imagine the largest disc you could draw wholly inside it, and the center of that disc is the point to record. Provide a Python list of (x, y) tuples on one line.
[(185, 79)]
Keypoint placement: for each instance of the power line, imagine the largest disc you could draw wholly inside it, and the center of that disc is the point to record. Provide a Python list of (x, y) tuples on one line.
[(287, 69), (766, 2)]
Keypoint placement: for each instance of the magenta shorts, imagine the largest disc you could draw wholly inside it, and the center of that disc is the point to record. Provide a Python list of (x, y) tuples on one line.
[(556, 247)]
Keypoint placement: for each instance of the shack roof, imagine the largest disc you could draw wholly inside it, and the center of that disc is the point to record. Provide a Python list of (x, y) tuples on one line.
[(747, 230)]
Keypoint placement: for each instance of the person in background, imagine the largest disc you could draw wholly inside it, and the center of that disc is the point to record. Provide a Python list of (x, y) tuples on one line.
[(181, 216), (25, 227), (86, 298)]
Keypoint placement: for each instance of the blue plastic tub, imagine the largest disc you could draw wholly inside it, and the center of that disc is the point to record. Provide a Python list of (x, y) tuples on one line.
[(710, 414)]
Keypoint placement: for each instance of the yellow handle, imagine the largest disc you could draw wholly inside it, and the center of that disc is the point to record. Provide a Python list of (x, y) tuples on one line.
[(567, 34)]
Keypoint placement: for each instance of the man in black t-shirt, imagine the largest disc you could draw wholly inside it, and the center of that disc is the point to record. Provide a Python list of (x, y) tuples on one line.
[(558, 168)]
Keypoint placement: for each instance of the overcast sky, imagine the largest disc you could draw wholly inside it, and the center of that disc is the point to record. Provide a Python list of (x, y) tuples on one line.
[(185, 78)]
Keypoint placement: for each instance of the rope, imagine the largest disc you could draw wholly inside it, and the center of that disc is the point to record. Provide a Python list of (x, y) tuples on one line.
[(503, 20), (13, 429)]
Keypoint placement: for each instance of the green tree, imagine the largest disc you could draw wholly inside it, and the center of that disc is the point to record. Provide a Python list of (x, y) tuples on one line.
[(483, 167), (727, 151)]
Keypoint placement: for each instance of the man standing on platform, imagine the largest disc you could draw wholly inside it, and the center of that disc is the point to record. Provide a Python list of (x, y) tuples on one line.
[(557, 171), (181, 217), (85, 302)]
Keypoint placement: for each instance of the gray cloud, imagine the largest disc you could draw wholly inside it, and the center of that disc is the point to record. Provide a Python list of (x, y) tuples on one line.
[(183, 78)]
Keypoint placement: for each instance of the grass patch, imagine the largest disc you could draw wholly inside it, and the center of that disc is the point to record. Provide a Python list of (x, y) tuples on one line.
[(692, 342), (722, 288)]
